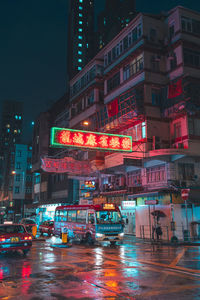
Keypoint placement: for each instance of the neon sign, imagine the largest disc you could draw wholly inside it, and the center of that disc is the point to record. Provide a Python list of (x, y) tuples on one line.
[(65, 165), (64, 137)]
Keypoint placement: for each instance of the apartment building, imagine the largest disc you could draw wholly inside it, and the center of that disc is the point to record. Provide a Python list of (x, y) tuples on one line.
[(145, 83)]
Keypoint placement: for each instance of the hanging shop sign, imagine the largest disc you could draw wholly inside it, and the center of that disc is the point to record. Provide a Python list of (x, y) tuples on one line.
[(66, 165), (128, 204), (64, 137)]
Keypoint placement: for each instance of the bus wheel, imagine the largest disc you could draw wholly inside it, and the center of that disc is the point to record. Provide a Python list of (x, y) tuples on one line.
[(89, 239), (112, 243)]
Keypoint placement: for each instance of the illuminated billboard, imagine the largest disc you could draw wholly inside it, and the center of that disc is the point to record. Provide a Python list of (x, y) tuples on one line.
[(64, 137)]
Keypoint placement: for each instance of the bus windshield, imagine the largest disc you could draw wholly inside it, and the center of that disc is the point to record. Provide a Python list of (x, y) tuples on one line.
[(108, 217)]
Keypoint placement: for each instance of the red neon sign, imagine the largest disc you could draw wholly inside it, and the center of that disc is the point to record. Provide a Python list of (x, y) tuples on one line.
[(64, 137)]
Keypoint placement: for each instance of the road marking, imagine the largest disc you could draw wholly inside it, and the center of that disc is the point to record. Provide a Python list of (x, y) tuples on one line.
[(179, 256)]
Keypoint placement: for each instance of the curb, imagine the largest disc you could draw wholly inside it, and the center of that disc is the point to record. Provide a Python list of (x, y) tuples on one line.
[(38, 240)]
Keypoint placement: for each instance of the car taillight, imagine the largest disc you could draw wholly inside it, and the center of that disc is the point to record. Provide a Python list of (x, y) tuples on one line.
[(2, 239), (28, 238)]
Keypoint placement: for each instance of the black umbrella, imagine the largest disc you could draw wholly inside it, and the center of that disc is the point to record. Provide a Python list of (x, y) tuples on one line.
[(158, 213)]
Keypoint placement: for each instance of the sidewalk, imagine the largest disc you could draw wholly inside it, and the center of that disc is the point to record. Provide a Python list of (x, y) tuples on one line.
[(133, 239)]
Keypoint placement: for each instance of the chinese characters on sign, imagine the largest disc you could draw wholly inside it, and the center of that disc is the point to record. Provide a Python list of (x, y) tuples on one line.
[(65, 165), (63, 137)]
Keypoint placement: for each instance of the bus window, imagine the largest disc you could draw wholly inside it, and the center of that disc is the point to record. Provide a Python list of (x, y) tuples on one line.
[(64, 218), (81, 216), (56, 215), (71, 216), (108, 217), (91, 218)]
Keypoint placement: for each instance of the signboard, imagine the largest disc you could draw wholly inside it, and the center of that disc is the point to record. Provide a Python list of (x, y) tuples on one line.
[(64, 137), (66, 165), (128, 204), (185, 194), (151, 202)]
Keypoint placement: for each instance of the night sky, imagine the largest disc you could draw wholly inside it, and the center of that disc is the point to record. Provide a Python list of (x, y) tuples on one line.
[(33, 49)]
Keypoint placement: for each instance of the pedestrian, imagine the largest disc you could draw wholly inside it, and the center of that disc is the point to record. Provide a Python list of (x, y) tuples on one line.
[(158, 231)]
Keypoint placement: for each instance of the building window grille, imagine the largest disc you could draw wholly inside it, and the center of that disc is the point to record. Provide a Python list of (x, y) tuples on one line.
[(156, 174), (134, 67), (18, 165)]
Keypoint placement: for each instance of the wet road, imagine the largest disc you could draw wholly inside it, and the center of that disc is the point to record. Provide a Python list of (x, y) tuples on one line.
[(132, 270)]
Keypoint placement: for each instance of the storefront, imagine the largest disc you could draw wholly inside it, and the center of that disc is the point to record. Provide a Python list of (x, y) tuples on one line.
[(128, 213), (46, 212)]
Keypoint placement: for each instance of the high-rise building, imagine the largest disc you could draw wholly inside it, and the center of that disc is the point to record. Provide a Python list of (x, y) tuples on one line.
[(80, 35), (10, 134), (116, 15)]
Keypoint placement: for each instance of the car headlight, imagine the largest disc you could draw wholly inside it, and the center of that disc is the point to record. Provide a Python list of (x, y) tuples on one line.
[(99, 235), (121, 234)]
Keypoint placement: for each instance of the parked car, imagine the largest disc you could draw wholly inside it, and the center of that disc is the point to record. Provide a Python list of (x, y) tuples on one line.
[(47, 227), (14, 237), (28, 223)]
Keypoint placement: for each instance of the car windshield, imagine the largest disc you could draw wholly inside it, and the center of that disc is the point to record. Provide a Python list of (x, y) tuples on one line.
[(108, 217), (11, 229), (28, 222), (50, 223)]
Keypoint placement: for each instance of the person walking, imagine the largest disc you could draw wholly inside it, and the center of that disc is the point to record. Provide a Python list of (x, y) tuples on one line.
[(158, 231)]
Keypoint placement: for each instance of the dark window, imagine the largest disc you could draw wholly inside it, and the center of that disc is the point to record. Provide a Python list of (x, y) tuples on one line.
[(125, 42), (18, 165), (113, 82), (17, 190), (186, 171), (156, 97)]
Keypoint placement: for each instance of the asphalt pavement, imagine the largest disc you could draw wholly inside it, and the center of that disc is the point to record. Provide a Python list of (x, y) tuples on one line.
[(130, 270)]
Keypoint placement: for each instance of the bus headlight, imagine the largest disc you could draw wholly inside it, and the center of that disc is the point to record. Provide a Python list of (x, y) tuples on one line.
[(121, 234), (98, 235)]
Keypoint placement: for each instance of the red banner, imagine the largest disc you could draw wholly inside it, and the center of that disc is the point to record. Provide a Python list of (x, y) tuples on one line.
[(66, 165), (112, 108), (175, 89)]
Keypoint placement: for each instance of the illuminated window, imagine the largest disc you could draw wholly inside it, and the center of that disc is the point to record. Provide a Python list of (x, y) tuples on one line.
[(81, 1), (80, 22), (80, 37), (8, 125), (79, 60), (16, 117), (87, 45), (80, 45), (80, 7), (8, 130), (80, 29), (79, 68), (80, 15), (20, 117), (80, 52), (15, 131)]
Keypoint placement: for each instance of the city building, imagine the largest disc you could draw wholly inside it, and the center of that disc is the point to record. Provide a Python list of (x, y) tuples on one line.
[(116, 15), (144, 84), (10, 134), (81, 42), (149, 78), (20, 183), (50, 189)]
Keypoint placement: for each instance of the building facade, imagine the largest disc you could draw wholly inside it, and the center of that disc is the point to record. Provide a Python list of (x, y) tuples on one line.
[(144, 83), (116, 15), (10, 134), (81, 42)]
